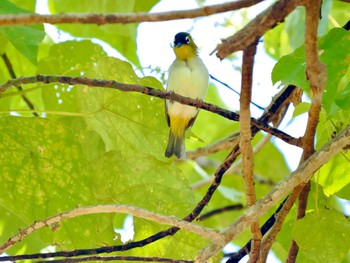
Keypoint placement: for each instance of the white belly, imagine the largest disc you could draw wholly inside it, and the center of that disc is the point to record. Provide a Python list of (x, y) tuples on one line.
[(189, 79)]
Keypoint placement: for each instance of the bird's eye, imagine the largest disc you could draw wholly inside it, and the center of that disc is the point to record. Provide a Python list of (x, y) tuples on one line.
[(187, 40)]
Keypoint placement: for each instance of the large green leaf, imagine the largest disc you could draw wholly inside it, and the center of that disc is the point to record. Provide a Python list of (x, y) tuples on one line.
[(323, 237), (43, 173), (335, 53), (71, 58), (26, 39), (121, 37), (127, 122)]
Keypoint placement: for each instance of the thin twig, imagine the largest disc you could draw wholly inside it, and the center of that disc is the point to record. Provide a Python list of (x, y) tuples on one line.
[(122, 18), (280, 217), (19, 88), (235, 257), (220, 210)]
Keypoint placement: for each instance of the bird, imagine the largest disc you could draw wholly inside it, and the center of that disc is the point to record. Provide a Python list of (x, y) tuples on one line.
[(189, 77)]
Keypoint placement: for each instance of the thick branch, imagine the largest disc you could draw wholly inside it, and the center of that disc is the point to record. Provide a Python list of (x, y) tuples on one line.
[(301, 175), (113, 18), (148, 91), (317, 76), (245, 143), (257, 27)]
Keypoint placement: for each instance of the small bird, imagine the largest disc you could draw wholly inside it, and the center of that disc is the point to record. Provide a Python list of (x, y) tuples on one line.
[(188, 77)]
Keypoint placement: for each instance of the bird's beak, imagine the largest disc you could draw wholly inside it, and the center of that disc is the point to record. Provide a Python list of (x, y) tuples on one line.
[(179, 44)]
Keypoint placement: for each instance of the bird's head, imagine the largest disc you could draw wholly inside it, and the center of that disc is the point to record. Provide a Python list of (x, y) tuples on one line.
[(184, 47)]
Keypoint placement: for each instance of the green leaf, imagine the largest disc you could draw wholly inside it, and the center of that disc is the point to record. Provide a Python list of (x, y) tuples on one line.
[(125, 180), (334, 176), (26, 4), (26, 39), (334, 52), (324, 237), (44, 173), (71, 58), (344, 193), (301, 108), (128, 122), (343, 98), (269, 162), (121, 37)]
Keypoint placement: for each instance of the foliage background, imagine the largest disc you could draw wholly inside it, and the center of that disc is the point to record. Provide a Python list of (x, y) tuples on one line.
[(100, 146)]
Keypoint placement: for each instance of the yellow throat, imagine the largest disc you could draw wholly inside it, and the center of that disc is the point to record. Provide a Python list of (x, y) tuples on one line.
[(184, 47)]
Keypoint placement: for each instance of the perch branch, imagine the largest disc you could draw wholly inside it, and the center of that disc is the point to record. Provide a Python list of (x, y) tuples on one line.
[(245, 143), (257, 27), (124, 209), (148, 91), (301, 175), (115, 18)]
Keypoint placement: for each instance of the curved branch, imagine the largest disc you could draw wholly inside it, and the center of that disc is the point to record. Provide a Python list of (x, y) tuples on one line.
[(259, 124), (114, 18), (124, 209), (301, 175)]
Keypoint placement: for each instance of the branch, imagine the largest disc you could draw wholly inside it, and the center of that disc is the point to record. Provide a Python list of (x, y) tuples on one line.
[(19, 88), (115, 258), (317, 76), (115, 18), (280, 217), (148, 91), (237, 256), (303, 174), (220, 210), (256, 28), (124, 209), (245, 143), (223, 144)]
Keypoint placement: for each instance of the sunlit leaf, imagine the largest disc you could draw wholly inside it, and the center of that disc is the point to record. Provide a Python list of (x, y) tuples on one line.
[(127, 122), (328, 240), (333, 176), (44, 173)]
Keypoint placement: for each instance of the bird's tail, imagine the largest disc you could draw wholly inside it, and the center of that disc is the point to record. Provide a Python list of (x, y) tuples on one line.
[(176, 146)]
